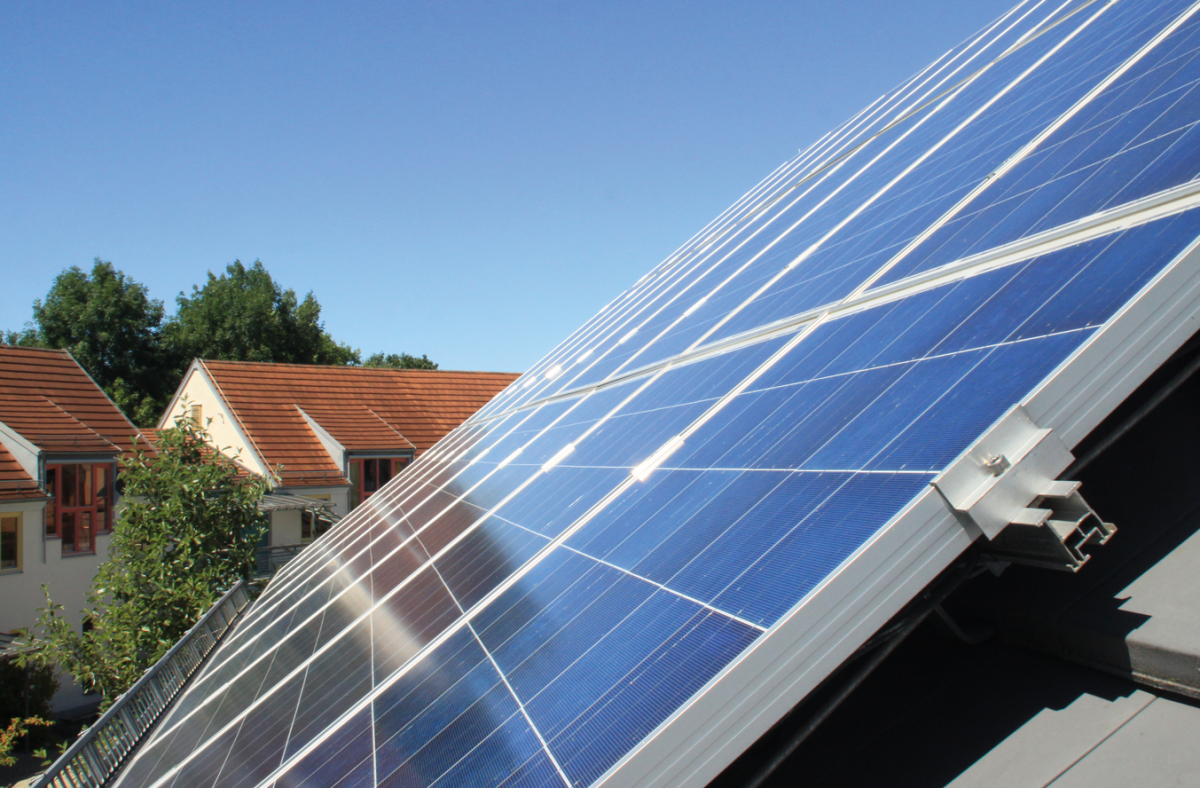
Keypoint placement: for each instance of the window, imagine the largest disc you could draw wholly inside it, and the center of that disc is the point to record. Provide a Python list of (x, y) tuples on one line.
[(369, 475), (312, 525), (80, 505), (10, 543)]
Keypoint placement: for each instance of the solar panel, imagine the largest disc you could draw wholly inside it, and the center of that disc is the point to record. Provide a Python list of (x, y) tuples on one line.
[(649, 548)]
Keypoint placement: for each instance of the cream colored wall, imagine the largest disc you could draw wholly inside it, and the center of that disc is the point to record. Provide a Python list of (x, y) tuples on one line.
[(68, 580), (285, 527), (218, 420)]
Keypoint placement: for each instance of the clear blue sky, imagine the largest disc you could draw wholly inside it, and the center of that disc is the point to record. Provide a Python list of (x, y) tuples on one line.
[(466, 180)]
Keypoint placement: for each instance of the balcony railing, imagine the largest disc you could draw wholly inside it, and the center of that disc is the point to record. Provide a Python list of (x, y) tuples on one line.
[(101, 750), (271, 558)]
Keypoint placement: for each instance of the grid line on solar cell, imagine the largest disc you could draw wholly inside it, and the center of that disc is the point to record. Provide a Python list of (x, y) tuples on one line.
[(1031, 146), (669, 590), (529, 720), (1022, 204)]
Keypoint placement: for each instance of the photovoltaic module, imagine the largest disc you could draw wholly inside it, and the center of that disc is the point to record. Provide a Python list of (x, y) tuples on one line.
[(639, 556)]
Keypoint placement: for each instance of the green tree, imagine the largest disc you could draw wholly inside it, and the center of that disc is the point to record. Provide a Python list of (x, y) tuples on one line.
[(109, 323), (28, 337), (402, 361), (10, 735), (243, 315), (188, 530)]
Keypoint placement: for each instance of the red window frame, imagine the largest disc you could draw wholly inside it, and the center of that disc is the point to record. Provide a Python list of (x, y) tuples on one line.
[(80, 505), (369, 474)]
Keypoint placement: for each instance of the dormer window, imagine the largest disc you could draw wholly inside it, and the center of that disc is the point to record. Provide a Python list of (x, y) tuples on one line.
[(370, 474), (80, 505)]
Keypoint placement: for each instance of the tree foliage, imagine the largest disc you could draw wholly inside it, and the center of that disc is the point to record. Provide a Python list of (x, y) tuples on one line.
[(401, 361), (12, 733), (120, 336), (188, 530), (27, 337), (243, 315), (109, 323)]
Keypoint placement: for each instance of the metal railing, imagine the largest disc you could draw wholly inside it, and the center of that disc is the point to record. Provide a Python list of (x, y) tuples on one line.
[(271, 558), (100, 751)]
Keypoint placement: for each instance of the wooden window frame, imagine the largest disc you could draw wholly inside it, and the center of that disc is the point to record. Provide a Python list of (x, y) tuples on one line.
[(99, 492), (356, 473), (20, 546)]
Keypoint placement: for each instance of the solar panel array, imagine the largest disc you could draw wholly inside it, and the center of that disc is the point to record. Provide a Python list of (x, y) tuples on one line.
[(584, 564)]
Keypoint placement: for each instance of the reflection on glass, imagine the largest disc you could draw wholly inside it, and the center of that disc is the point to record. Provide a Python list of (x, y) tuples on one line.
[(8, 543), (70, 491), (100, 486), (370, 475), (83, 475), (83, 532), (67, 531)]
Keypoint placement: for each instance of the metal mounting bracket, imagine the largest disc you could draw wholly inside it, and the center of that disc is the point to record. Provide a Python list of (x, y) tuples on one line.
[(1006, 486)]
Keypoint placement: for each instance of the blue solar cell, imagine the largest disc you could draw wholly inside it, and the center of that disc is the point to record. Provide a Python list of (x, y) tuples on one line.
[(486, 557), (748, 543), (333, 682), (452, 719), (866, 243), (1132, 140), (413, 616), (345, 760), (599, 658)]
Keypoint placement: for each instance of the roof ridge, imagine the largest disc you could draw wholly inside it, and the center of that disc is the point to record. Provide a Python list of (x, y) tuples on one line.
[(24, 349), (358, 368)]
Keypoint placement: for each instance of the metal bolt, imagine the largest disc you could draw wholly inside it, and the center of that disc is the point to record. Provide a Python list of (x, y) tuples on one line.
[(996, 464)]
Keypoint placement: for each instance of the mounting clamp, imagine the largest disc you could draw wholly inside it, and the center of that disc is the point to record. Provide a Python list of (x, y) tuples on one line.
[(1006, 486)]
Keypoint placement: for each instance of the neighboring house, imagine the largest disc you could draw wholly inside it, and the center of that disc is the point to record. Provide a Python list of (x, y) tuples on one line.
[(335, 434), (60, 440)]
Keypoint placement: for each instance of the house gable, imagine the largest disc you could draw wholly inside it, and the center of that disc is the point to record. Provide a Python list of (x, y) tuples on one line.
[(224, 429)]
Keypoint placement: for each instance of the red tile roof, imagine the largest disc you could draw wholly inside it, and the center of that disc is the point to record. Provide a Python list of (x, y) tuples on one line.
[(52, 403), (363, 409), (55, 405)]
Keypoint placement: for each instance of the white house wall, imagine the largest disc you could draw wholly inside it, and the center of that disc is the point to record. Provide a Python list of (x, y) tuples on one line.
[(68, 579)]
